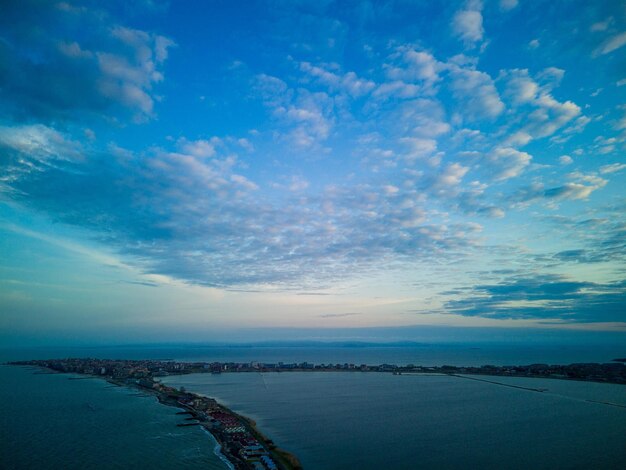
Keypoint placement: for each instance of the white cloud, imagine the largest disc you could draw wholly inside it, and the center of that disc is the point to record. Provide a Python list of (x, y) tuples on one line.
[(349, 82), (507, 5), (612, 168), (601, 25), (611, 44), (571, 191), (307, 116), (310, 115), (244, 182), (451, 175), (565, 160), (549, 115), (551, 76), (467, 24), (39, 142), (518, 139), (129, 78), (390, 190), (505, 163), (582, 186), (578, 125), (298, 184), (411, 71), (198, 148), (396, 89), (476, 93), (418, 148), (520, 88), (534, 44), (423, 66)]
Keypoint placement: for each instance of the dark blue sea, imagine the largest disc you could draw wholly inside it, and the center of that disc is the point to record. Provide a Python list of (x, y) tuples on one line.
[(369, 421), (49, 421), (329, 420)]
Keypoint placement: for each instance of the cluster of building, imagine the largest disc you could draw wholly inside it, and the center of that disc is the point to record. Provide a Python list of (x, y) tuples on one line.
[(245, 447), (614, 372), (241, 443)]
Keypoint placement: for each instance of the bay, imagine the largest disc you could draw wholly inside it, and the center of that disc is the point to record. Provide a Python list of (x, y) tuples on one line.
[(334, 420)]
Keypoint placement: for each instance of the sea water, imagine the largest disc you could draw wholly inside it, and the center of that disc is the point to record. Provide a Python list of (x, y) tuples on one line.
[(53, 421), (329, 420), (365, 420), (422, 354)]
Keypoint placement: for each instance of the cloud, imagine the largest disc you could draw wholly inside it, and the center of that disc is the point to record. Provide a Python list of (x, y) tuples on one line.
[(348, 83), (396, 89), (545, 297), (520, 88), (505, 163), (340, 315), (418, 147), (611, 44), (612, 168), (475, 92), (571, 191), (409, 65), (111, 68), (467, 24), (452, 175), (565, 160), (544, 114), (191, 213), (307, 116), (506, 5), (581, 188), (601, 25)]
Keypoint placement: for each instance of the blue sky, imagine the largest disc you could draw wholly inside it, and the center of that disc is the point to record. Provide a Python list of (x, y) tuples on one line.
[(173, 170)]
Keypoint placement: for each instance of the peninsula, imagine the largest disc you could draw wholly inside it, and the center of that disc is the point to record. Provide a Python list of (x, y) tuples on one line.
[(241, 443)]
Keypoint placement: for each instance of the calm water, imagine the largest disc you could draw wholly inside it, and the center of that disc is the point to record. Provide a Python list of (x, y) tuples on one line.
[(48, 421), (373, 421), (330, 420)]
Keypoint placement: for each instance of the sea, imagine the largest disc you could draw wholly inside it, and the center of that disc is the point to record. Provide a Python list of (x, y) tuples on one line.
[(330, 420)]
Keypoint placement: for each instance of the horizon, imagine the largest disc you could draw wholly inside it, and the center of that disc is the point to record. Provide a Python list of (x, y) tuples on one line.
[(312, 171)]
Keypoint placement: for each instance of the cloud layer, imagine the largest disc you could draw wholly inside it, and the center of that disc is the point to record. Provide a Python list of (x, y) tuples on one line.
[(325, 143)]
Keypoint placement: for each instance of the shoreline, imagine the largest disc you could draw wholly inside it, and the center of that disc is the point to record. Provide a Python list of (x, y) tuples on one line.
[(239, 443), (198, 410), (202, 409)]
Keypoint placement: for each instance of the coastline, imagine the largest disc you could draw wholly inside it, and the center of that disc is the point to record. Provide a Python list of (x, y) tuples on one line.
[(201, 410), (285, 459), (239, 443), (217, 450)]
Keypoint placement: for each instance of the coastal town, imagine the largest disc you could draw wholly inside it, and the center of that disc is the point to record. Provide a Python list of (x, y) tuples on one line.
[(123, 369), (241, 443)]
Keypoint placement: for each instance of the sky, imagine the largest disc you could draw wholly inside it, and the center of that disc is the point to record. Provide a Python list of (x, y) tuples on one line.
[(189, 170)]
